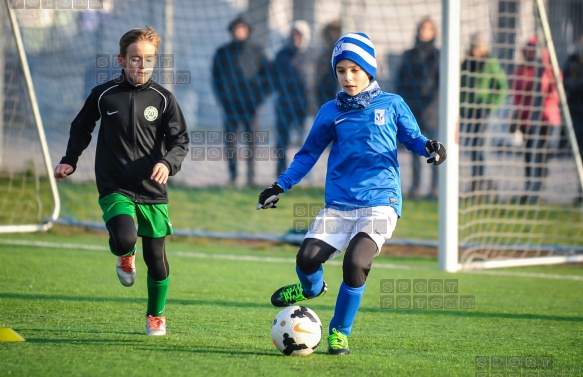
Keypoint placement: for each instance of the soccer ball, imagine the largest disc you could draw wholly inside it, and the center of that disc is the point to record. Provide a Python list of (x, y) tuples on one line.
[(296, 330)]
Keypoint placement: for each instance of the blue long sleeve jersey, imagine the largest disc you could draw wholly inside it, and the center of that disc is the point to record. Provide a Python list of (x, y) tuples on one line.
[(363, 170)]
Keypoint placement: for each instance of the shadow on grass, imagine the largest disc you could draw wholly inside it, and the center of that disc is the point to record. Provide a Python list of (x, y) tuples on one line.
[(471, 313), (211, 350), (125, 300), (467, 313), (26, 296), (70, 341), (134, 340)]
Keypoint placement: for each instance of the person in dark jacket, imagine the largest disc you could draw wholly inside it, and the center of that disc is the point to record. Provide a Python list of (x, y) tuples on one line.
[(238, 73), (142, 140), (418, 84), (326, 84), (291, 73)]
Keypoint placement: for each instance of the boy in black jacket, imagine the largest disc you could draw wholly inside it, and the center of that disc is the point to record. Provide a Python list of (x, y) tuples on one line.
[(143, 140)]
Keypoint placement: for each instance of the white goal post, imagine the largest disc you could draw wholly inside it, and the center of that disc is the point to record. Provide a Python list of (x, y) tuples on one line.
[(448, 124)]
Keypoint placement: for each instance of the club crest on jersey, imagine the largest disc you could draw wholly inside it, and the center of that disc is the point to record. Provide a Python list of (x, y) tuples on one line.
[(151, 113), (379, 117)]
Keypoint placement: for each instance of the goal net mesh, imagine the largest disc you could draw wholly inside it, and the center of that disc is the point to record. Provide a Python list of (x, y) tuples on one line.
[(519, 188), (26, 198)]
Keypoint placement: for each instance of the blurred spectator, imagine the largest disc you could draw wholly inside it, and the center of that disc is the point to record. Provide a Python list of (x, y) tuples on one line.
[(573, 83), (239, 68), (418, 84), (291, 74), (484, 87), (93, 24), (326, 83), (537, 113)]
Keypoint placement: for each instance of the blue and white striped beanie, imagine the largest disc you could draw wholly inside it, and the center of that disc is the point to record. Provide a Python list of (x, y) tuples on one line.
[(355, 46)]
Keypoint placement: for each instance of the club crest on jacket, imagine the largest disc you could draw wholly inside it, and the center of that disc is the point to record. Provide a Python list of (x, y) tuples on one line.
[(379, 117), (151, 113)]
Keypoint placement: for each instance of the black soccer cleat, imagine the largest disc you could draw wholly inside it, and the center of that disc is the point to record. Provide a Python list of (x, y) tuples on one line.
[(291, 294)]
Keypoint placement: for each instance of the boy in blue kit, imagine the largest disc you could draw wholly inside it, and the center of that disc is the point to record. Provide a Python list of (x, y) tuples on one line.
[(363, 185)]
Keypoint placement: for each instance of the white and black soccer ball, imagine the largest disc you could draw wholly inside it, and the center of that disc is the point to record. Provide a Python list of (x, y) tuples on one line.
[(296, 330)]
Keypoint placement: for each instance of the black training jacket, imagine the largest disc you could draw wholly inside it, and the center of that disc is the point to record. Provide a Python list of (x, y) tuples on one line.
[(140, 126)]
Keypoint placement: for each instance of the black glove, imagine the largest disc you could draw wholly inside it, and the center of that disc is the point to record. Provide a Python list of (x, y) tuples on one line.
[(437, 152), (269, 197)]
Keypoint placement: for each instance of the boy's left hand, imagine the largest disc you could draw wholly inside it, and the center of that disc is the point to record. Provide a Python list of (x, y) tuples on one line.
[(160, 173), (437, 151)]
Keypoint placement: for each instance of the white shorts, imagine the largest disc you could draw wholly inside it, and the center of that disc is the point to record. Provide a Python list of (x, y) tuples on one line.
[(337, 228)]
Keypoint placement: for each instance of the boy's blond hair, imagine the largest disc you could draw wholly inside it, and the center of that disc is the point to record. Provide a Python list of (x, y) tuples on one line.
[(139, 34)]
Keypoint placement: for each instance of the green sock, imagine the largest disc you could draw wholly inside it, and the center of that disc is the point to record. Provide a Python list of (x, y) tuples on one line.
[(157, 292)]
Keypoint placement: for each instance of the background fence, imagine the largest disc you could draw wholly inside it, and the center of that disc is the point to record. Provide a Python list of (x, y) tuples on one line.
[(73, 48)]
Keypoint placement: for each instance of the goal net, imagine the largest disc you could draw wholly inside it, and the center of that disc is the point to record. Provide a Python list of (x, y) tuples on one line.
[(520, 168), (519, 194), (29, 199)]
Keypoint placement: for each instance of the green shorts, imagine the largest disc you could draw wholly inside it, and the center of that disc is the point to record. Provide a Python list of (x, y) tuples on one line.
[(153, 220)]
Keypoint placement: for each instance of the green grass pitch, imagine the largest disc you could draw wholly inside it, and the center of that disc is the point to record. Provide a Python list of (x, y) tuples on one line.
[(60, 292)]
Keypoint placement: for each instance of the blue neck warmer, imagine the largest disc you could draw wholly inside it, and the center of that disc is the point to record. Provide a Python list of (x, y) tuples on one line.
[(360, 101)]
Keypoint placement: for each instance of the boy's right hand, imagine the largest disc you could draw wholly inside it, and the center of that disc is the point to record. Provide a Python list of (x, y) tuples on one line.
[(269, 197), (62, 171)]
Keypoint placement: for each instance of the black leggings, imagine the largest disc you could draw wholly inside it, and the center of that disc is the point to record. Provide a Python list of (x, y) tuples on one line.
[(123, 238), (357, 259)]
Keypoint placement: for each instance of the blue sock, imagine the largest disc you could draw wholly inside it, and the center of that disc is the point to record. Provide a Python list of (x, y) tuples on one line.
[(311, 283), (347, 305)]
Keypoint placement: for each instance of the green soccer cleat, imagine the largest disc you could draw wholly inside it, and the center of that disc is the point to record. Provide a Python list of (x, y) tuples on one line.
[(291, 294), (338, 343)]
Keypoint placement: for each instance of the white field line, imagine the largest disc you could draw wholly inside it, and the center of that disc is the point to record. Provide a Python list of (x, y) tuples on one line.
[(53, 245), (536, 275), (251, 258)]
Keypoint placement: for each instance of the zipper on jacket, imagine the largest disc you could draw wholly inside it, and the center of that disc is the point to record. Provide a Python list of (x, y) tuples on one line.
[(134, 136)]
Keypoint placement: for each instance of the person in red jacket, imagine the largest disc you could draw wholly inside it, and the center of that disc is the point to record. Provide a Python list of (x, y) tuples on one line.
[(537, 113), (573, 83)]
